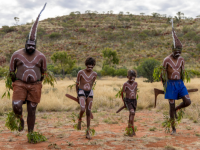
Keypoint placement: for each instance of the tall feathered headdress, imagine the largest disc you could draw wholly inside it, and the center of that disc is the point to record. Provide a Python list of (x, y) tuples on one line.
[(177, 45), (33, 33)]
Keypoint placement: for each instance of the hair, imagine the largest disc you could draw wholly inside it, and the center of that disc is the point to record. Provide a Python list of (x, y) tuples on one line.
[(132, 73), (90, 61)]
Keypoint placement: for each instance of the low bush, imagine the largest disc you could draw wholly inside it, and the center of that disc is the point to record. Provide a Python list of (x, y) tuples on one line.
[(55, 35), (8, 29)]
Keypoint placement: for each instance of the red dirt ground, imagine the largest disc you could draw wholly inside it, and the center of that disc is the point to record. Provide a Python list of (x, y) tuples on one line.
[(110, 129)]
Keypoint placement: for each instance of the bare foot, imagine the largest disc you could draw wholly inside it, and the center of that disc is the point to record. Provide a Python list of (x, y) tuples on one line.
[(79, 125), (173, 131), (88, 136)]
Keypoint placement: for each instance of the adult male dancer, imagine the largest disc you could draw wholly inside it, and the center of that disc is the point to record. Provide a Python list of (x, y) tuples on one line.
[(174, 65), (85, 81), (27, 80)]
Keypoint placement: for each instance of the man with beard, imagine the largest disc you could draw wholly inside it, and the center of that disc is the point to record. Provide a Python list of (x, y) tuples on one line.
[(174, 65), (84, 83), (27, 80)]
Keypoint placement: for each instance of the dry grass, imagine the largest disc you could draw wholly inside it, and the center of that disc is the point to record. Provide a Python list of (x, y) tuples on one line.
[(53, 99)]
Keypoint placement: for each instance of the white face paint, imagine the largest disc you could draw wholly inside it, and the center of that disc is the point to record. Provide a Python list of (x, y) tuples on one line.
[(90, 67)]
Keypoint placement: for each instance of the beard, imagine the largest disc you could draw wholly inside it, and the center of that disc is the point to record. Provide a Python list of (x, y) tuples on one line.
[(30, 51)]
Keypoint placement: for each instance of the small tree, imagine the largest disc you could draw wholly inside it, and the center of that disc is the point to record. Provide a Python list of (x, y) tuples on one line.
[(64, 60), (110, 56), (146, 68)]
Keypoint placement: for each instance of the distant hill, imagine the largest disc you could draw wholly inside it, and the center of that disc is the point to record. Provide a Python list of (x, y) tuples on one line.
[(134, 37)]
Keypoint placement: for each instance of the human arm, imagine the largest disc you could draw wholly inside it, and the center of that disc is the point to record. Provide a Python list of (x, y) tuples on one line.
[(12, 68), (122, 93), (43, 68)]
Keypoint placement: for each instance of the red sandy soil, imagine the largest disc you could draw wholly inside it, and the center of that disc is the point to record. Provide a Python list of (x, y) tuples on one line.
[(58, 128)]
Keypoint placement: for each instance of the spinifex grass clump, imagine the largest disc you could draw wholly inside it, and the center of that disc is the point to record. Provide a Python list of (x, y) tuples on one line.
[(12, 122), (168, 121), (35, 137), (129, 131)]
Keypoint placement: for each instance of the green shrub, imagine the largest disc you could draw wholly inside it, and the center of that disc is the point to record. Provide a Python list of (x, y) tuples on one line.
[(107, 70), (54, 35), (8, 29), (186, 29), (146, 68), (190, 35), (2, 71), (121, 72), (82, 30), (75, 71)]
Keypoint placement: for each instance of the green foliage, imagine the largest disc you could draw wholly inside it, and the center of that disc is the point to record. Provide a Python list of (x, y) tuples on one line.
[(64, 60), (198, 47), (49, 78), (75, 71), (2, 71), (110, 71), (54, 35), (185, 75), (158, 72), (146, 68), (169, 121), (190, 35), (74, 118), (186, 29), (35, 137), (12, 121), (8, 83), (91, 131), (196, 39), (8, 29), (110, 56), (129, 131), (142, 36), (83, 30), (118, 95)]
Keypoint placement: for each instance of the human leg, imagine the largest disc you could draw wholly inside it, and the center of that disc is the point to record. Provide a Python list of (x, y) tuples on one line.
[(172, 114), (186, 102), (131, 121), (88, 114), (31, 108), (17, 108), (82, 104)]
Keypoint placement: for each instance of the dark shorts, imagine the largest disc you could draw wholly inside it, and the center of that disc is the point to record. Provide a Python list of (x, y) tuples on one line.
[(175, 89), (130, 103), (27, 91), (85, 93)]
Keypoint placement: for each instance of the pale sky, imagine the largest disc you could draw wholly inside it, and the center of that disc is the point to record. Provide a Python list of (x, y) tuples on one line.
[(28, 10)]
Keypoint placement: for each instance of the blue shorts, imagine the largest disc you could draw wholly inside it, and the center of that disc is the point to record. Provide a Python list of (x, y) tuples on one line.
[(175, 89)]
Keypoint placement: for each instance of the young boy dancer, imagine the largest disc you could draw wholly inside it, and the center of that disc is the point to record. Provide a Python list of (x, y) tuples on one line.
[(130, 90), (84, 83)]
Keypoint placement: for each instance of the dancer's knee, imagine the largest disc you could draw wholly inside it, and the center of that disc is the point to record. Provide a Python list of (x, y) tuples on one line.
[(188, 102), (132, 112), (171, 101), (17, 107), (82, 109)]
